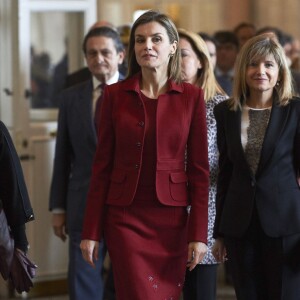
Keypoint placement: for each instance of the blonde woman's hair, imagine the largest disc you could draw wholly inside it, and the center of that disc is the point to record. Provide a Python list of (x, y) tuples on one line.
[(257, 48), (205, 77), (174, 67)]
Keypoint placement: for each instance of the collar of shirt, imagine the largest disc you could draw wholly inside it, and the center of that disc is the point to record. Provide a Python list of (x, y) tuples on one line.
[(218, 72), (113, 79)]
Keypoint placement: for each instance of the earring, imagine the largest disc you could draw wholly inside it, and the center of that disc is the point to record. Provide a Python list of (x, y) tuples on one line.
[(277, 83)]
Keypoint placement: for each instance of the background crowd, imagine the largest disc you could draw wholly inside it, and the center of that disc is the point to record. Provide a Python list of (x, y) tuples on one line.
[(48, 79)]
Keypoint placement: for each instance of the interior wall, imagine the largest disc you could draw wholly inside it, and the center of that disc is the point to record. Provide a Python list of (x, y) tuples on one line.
[(282, 14), (210, 15)]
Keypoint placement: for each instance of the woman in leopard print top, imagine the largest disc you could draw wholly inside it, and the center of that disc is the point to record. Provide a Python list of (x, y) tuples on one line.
[(197, 69)]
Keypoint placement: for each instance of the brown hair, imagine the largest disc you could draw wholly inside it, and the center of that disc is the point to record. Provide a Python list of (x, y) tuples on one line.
[(106, 32), (254, 49), (205, 77), (174, 68)]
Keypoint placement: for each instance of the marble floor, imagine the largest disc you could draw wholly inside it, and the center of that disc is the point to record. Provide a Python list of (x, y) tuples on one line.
[(224, 293)]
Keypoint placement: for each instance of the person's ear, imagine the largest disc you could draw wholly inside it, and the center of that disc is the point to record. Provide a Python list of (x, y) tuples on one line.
[(121, 55)]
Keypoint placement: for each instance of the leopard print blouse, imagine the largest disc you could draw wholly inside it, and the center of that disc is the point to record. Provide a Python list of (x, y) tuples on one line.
[(213, 157)]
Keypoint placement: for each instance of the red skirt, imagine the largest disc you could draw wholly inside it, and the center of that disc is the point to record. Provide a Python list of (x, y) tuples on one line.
[(147, 244)]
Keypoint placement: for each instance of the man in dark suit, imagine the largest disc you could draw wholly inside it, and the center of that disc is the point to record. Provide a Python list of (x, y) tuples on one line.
[(75, 148), (227, 50), (84, 73)]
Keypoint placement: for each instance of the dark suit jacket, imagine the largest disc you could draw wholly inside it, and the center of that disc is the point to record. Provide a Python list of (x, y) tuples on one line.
[(79, 76), (274, 189), (13, 191), (75, 148), (84, 74), (226, 83), (14, 197), (180, 121)]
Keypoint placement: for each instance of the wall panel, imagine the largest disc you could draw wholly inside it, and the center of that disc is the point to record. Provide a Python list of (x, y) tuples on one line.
[(211, 15)]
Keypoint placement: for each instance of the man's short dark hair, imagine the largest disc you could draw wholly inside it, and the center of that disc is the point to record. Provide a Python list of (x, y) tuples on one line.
[(106, 32), (243, 25), (224, 36), (207, 37)]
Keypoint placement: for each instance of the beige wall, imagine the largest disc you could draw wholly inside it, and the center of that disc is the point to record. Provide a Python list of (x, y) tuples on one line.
[(283, 14), (211, 15)]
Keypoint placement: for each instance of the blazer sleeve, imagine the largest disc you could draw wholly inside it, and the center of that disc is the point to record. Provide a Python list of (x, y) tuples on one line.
[(225, 165), (198, 173), (101, 171), (62, 160), (13, 191)]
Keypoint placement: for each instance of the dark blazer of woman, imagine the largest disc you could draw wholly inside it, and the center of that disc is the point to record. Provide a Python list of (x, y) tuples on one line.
[(13, 192), (116, 176), (274, 189)]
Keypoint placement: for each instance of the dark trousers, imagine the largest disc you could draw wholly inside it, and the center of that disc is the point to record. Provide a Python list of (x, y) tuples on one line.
[(85, 282), (201, 283), (264, 268), (109, 290)]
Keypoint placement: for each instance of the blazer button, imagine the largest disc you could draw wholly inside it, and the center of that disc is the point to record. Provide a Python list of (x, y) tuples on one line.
[(141, 123), (138, 144), (31, 217), (137, 166)]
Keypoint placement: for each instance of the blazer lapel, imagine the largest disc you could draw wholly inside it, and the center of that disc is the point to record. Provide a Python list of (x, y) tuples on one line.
[(276, 125), (234, 124), (84, 108), (234, 127), (234, 121)]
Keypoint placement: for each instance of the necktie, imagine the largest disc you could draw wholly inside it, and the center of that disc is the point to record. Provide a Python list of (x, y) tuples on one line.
[(98, 106)]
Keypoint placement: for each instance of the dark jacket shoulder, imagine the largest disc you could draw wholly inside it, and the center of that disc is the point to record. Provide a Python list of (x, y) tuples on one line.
[(222, 107)]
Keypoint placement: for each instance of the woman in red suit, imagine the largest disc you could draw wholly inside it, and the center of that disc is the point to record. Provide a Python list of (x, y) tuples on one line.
[(151, 163)]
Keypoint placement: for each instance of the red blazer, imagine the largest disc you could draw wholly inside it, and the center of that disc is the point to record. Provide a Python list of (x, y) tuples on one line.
[(181, 125)]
